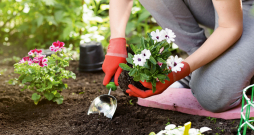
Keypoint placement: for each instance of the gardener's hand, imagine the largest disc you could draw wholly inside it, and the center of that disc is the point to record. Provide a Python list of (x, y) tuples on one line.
[(160, 87), (116, 54)]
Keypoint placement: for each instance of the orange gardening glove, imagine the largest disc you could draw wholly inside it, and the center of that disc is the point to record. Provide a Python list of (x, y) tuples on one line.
[(160, 87), (116, 54)]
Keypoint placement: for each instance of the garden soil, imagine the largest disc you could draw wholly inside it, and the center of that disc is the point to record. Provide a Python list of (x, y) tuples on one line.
[(20, 116)]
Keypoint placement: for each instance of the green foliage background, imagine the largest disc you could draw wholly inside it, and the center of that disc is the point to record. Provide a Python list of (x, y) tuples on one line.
[(38, 23), (70, 21)]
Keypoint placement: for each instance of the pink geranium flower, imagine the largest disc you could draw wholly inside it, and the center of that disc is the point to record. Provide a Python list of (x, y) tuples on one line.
[(57, 46), (38, 58), (43, 62), (28, 59), (32, 52)]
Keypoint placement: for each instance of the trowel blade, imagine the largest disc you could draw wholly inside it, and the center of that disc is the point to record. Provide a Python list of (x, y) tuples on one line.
[(105, 104)]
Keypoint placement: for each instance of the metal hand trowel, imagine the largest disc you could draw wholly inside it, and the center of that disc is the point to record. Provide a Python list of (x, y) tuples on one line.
[(105, 104)]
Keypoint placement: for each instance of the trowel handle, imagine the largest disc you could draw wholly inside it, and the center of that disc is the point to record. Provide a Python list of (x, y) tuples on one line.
[(111, 85)]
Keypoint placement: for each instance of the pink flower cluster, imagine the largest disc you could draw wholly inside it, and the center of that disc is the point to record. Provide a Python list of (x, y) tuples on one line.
[(38, 58), (35, 51), (57, 46)]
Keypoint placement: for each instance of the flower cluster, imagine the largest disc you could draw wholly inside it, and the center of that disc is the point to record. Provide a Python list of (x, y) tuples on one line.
[(140, 59), (152, 60), (47, 81), (166, 34), (171, 129), (35, 56), (174, 63), (57, 46)]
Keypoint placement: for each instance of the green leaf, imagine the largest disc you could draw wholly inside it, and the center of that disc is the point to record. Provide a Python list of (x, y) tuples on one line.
[(63, 86), (36, 98), (146, 65), (57, 95), (146, 44), (133, 48), (25, 87), (51, 19), (57, 69), (51, 79), (144, 15), (167, 78), (58, 100), (154, 85), (54, 92), (130, 55), (21, 77), (72, 75), (66, 86), (152, 133), (143, 77), (79, 25), (161, 60), (129, 60), (49, 95), (125, 67), (152, 60), (166, 49), (143, 43), (161, 77), (27, 79), (41, 89), (59, 15), (67, 20), (40, 19), (136, 78), (132, 72), (49, 2), (66, 32), (153, 68), (130, 27)]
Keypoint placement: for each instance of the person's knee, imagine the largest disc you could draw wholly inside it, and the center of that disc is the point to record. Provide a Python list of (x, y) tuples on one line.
[(218, 107), (215, 99)]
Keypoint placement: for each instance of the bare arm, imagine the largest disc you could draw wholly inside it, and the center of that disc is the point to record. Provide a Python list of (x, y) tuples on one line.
[(119, 14), (228, 32)]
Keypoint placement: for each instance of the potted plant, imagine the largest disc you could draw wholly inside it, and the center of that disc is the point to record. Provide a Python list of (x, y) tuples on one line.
[(151, 61)]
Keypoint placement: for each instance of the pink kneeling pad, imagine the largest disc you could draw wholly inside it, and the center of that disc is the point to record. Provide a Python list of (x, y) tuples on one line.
[(182, 100)]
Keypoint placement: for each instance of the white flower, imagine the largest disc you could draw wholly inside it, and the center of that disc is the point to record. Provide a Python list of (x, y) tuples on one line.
[(158, 35), (173, 130), (146, 54), (193, 131), (169, 35), (170, 126), (139, 60), (162, 132), (204, 129), (175, 63)]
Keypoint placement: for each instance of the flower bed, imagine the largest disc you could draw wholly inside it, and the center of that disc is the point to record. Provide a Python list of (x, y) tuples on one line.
[(19, 115)]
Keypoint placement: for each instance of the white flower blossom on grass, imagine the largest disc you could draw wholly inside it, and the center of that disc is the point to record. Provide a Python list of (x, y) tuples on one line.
[(146, 54), (175, 63), (158, 35), (139, 60), (169, 35)]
